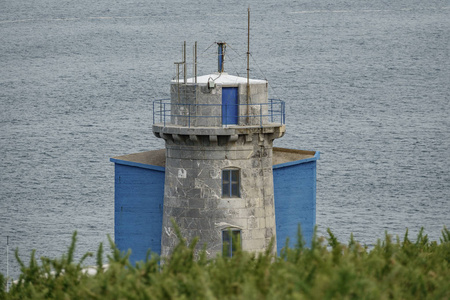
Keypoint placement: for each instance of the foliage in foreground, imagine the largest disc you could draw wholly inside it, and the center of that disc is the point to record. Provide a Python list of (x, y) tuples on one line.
[(400, 269)]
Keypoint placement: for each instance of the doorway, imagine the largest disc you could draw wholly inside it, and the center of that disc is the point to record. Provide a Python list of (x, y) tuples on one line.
[(230, 106)]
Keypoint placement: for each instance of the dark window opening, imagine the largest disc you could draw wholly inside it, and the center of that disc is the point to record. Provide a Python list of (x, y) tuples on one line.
[(231, 241), (230, 183)]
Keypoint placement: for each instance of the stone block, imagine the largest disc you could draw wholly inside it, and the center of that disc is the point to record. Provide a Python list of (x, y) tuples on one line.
[(196, 203), (210, 183), (252, 222), (256, 163), (268, 201), (177, 212), (232, 213), (270, 219), (192, 213), (215, 214), (270, 231), (206, 224), (211, 203), (259, 212), (234, 203), (255, 244), (193, 193), (257, 233)]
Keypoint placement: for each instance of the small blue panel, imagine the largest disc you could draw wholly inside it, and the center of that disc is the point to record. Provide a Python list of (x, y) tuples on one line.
[(230, 107), (220, 60), (295, 201), (139, 198)]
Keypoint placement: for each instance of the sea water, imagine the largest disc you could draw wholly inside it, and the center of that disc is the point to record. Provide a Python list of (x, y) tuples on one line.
[(366, 83)]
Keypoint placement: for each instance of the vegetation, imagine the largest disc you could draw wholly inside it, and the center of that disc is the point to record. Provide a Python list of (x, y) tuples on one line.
[(393, 269)]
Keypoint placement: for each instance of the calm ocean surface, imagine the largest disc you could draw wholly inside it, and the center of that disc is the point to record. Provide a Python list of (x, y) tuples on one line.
[(366, 83)]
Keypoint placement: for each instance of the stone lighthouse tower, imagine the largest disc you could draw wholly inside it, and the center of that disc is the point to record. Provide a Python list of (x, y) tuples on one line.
[(219, 177), (219, 131)]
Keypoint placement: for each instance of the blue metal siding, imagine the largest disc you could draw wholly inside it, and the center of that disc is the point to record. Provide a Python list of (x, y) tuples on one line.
[(230, 107), (295, 201), (139, 197)]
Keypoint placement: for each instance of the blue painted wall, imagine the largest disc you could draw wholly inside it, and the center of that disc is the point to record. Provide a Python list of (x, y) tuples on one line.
[(139, 197), (295, 200)]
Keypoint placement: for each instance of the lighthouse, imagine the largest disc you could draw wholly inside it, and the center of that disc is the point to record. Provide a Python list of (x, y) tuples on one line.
[(219, 178)]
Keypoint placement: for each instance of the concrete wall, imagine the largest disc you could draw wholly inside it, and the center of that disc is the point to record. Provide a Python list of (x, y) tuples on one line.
[(199, 106), (138, 208)]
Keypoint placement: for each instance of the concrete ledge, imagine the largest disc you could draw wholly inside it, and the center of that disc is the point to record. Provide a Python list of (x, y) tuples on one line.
[(283, 157), (232, 130), (156, 159)]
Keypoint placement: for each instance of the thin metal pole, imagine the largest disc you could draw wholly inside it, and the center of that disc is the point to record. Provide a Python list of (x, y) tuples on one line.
[(195, 62), (178, 81), (184, 62), (248, 66), (221, 56), (195, 76), (7, 263), (161, 111)]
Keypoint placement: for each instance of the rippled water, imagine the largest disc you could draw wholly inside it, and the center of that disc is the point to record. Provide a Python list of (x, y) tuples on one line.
[(366, 84)]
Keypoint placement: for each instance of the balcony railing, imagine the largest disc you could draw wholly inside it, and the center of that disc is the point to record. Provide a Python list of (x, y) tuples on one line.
[(210, 115)]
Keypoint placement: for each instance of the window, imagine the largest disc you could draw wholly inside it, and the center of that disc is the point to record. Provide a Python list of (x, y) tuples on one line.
[(231, 242), (230, 183)]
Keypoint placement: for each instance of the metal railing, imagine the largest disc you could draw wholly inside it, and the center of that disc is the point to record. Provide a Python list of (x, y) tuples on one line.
[(186, 114)]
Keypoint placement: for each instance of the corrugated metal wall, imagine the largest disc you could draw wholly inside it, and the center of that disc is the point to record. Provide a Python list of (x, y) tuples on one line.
[(295, 201), (139, 196)]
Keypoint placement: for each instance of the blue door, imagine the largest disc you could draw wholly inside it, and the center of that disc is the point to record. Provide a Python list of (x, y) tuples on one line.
[(230, 107)]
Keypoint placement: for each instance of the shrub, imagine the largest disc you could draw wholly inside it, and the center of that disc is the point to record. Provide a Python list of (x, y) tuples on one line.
[(393, 269)]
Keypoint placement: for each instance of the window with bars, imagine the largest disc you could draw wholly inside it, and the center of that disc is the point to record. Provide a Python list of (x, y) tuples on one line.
[(231, 183)]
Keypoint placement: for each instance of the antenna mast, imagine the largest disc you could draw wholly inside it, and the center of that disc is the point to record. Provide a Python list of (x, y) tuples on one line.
[(221, 56), (195, 62), (7, 263), (248, 65), (184, 62), (183, 57)]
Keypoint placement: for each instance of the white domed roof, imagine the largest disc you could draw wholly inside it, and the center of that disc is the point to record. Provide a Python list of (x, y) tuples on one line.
[(222, 79)]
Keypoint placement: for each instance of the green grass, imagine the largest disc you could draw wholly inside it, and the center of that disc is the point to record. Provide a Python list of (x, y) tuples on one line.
[(393, 269)]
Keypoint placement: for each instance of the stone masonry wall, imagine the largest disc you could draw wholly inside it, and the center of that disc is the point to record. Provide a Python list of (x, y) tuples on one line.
[(193, 193), (199, 106)]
